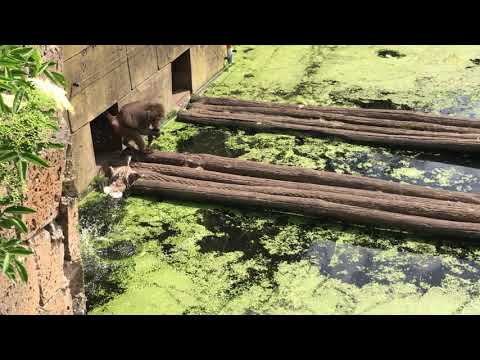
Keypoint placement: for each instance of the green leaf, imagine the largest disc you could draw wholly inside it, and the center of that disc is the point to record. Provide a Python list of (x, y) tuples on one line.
[(4, 107), (6, 262), (42, 68), (8, 156), (22, 167), (25, 83), (21, 271), (6, 81), (6, 223), (18, 99), (7, 87), (53, 126), (8, 62), (18, 73), (48, 73), (55, 146), (11, 273), (55, 77), (19, 250), (6, 148), (24, 52), (19, 224), (34, 159), (13, 242), (36, 56), (19, 210), (5, 201)]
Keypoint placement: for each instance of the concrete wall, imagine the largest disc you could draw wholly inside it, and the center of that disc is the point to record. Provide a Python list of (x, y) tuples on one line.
[(207, 61), (104, 75)]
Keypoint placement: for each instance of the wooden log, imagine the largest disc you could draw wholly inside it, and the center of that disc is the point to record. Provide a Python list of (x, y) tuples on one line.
[(363, 198), (416, 142), (361, 120), (322, 123), (300, 175), (400, 115), (313, 207), (404, 115)]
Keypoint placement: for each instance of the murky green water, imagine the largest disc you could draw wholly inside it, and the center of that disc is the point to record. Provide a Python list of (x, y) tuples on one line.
[(144, 256)]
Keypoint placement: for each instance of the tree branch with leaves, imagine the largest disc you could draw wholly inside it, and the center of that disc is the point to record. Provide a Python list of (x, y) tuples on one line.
[(30, 97)]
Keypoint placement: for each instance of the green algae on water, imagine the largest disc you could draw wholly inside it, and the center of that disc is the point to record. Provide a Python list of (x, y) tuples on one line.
[(164, 257)]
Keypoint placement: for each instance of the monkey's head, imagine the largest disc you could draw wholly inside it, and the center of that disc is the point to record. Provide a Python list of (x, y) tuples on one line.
[(156, 115)]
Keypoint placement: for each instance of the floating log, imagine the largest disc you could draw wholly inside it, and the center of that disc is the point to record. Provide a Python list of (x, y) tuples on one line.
[(203, 191), (334, 124), (300, 175), (401, 115), (431, 208), (312, 115), (416, 142)]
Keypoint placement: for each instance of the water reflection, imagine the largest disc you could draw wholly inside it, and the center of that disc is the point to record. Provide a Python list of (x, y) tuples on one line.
[(358, 265), (464, 107), (441, 174)]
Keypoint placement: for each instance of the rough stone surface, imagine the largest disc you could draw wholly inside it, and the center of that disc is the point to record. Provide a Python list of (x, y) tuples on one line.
[(49, 254), (73, 267), (44, 190), (59, 304), (69, 223), (53, 53), (55, 273), (21, 298), (47, 290), (74, 272)]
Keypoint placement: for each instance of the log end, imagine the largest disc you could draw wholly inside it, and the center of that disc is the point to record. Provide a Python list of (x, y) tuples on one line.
[(195, 98)]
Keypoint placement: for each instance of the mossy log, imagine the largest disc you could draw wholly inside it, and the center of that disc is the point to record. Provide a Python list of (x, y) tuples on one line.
[(312, 116), (439, 142), (410, 205), (239, 195), (300, 175), (400, 115), (334, 124)]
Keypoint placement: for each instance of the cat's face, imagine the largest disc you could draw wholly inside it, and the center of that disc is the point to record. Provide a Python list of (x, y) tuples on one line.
[(120, 179)]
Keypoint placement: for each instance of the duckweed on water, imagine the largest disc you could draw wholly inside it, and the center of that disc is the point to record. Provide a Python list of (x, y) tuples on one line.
[(159, 257), (277, 264), (409, 173)]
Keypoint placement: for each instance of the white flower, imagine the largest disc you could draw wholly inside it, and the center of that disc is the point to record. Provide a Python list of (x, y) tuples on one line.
[(58, 94), (8, 99)]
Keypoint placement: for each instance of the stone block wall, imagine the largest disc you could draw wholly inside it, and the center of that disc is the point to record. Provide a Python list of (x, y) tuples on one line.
[(101, 76)]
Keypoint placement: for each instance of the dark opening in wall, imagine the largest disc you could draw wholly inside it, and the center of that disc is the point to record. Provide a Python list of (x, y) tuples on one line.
[(102, 134), (181, 78)]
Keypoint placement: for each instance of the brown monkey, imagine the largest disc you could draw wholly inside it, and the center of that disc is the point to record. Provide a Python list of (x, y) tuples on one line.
[(136, 119)]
